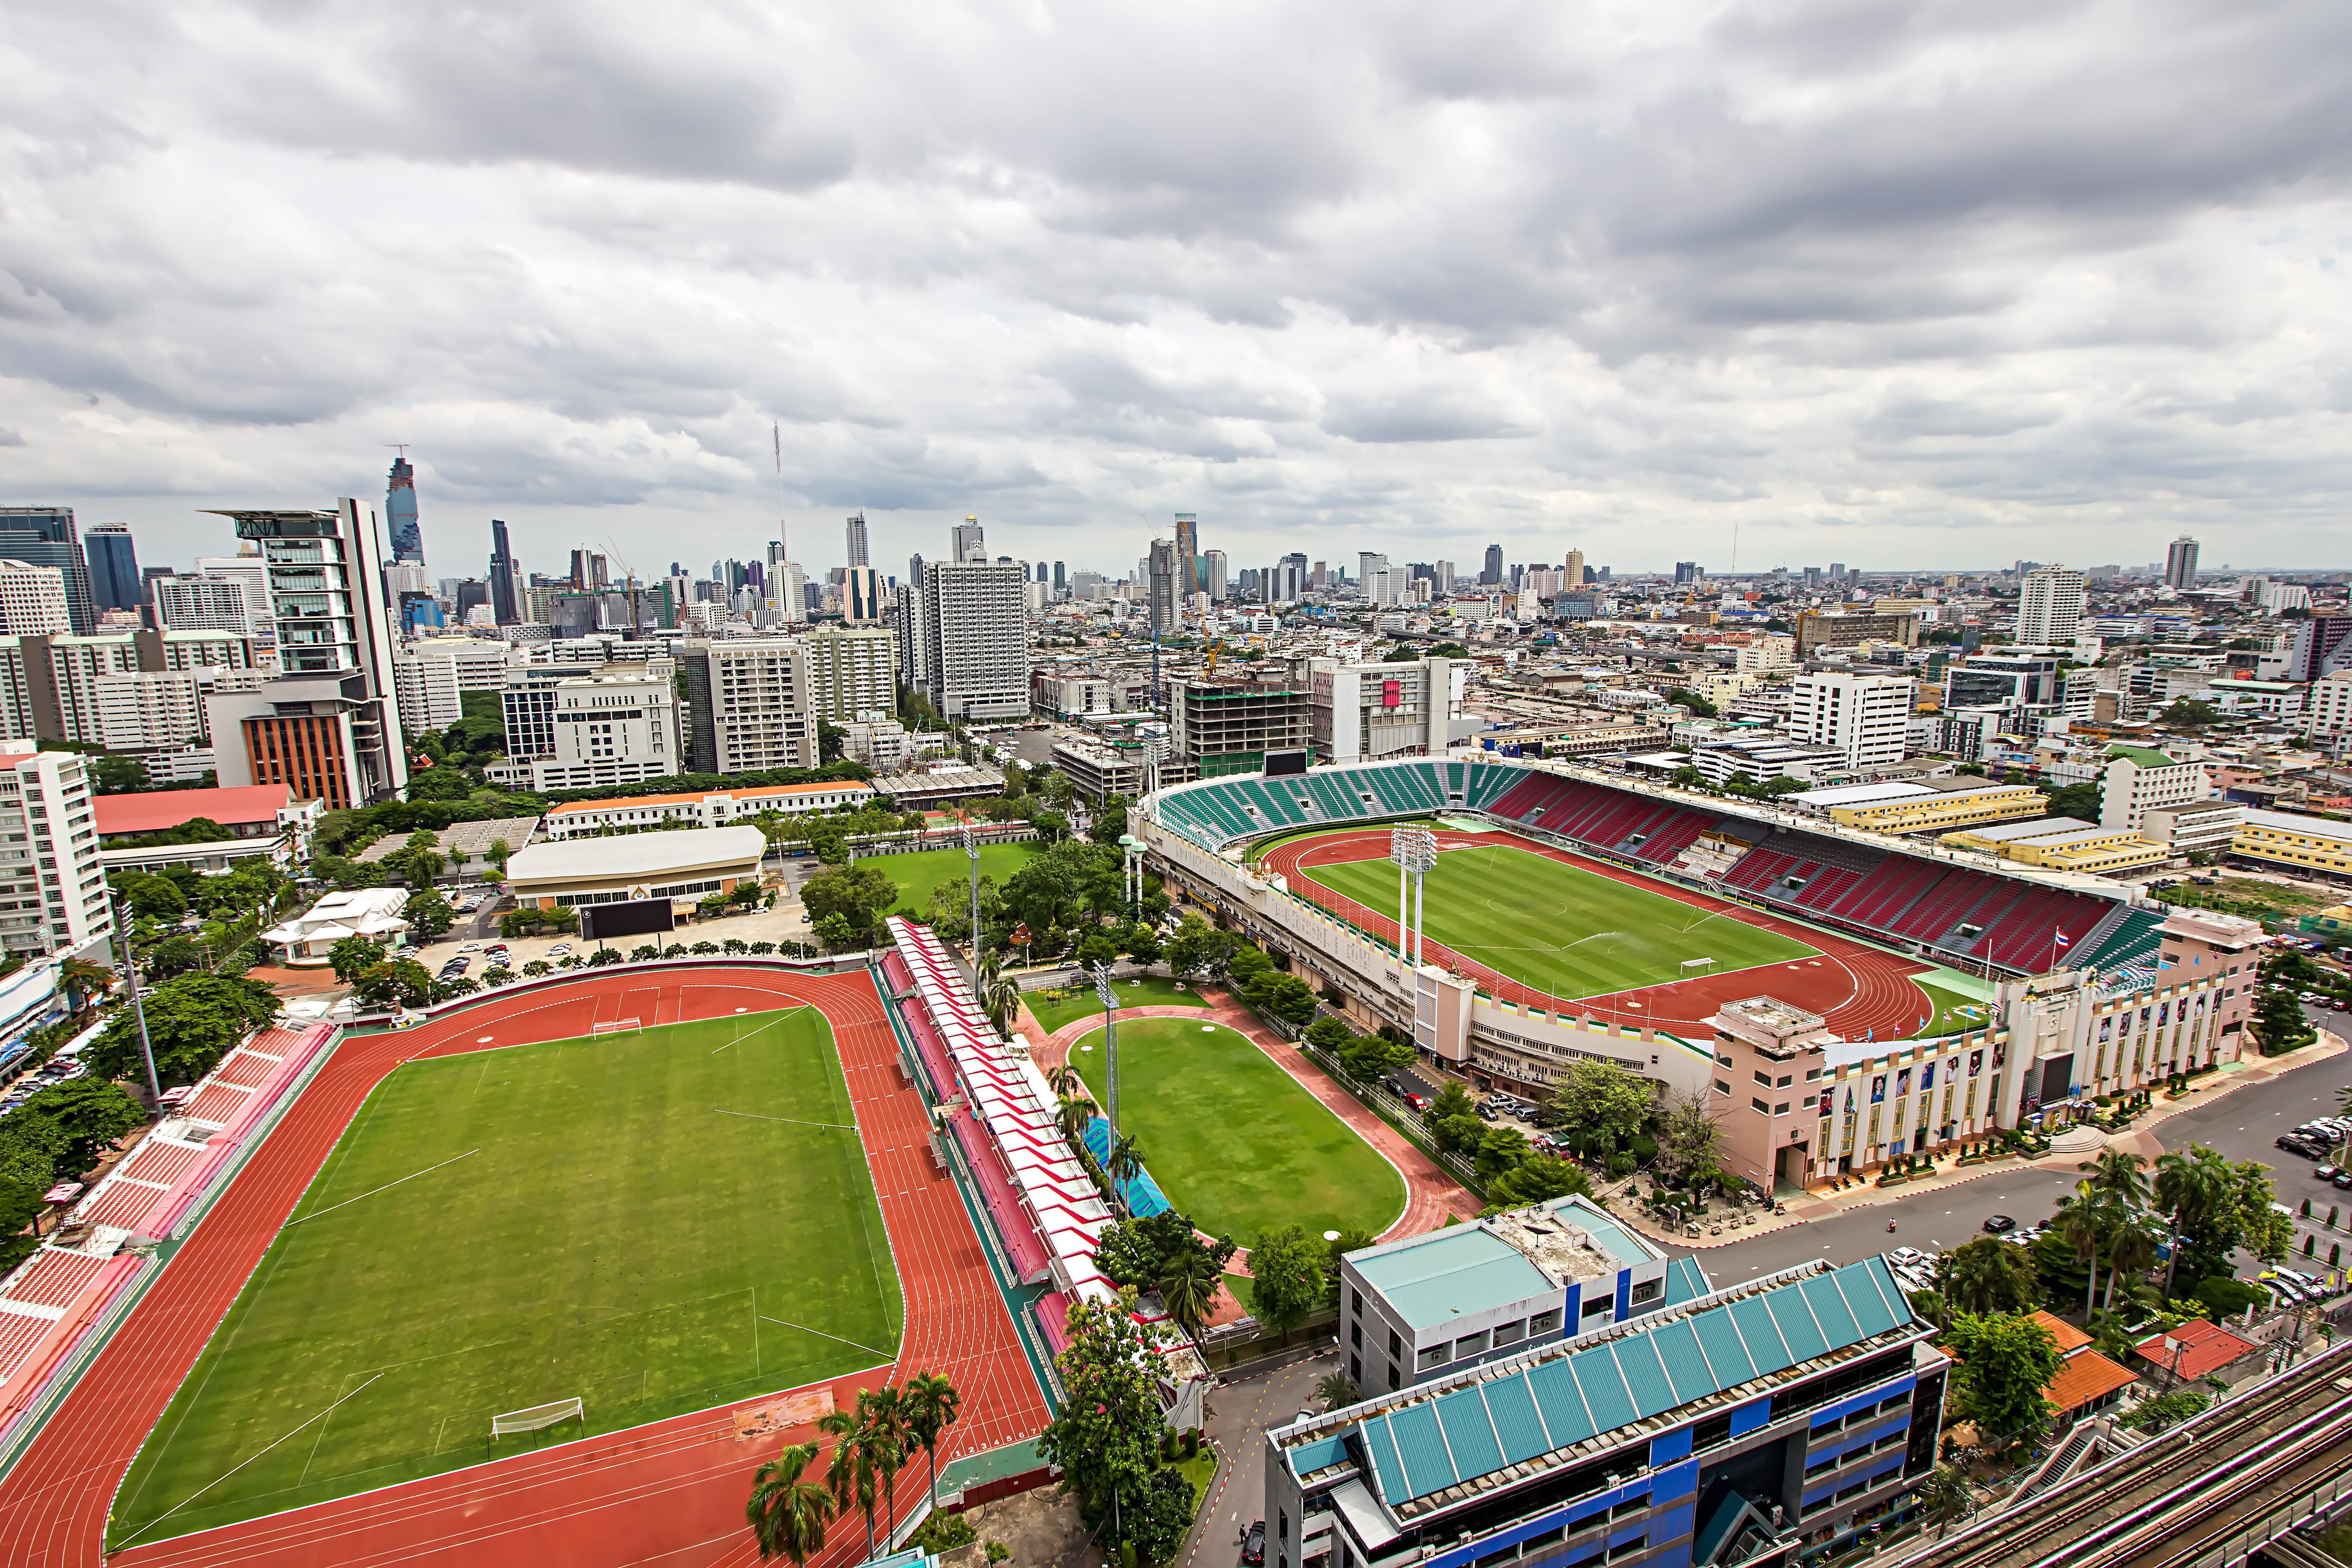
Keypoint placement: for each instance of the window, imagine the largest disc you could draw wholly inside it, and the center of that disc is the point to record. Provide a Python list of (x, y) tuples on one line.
[(1721, 1087), (1763, 1077), (1396, 1343), (1782, 1109), (1435, 1355), (1543, 1322), (1761, 1108), (1783, 1082), (1648, 1290), (1470, 1345), (1355, 1329), (1596, 1307), (1509, 1333)]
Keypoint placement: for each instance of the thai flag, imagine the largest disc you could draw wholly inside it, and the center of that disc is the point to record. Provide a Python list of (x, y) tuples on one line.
[(2059, 941)]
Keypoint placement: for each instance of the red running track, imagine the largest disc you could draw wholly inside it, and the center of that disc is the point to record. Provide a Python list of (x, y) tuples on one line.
[(1857, 989), (670, 1493)]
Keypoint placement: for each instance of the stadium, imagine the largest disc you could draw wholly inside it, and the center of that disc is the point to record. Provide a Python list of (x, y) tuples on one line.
[(1571, 913)]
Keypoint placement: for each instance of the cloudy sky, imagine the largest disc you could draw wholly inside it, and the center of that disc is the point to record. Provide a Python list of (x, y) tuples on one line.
[(1940, 284)]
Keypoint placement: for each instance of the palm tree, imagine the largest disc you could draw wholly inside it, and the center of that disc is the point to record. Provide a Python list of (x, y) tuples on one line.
[(1335, 1391), (1002, 997), (1075, 1115), (787, 1514), (2191, 1188), (1943, 1493), (1188, 1288), (1065, 1081), (930, 1406), (2085, 1220), (882, 1413), (850, 1475), (1988, 1276), (2132, 1249), (2115, 1175), (81, 979), (1125, 1163)]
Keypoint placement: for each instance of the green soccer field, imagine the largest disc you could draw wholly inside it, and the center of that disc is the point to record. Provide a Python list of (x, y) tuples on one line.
[(1081, 1000), (1235, 1142), (1556, 928), (917, 875), (657, 1223)]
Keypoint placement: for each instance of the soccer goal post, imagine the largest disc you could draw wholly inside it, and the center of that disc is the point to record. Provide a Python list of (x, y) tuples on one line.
[(618, 1025), (1693, 965), (537, 1416)]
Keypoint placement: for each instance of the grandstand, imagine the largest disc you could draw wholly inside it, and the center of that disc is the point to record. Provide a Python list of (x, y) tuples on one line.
[(1931, 906)]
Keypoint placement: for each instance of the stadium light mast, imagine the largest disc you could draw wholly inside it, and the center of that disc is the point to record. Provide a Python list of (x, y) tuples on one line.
[(972, 854), (1109, 994), (1414, 850), (1131, 867), (138, 1008)]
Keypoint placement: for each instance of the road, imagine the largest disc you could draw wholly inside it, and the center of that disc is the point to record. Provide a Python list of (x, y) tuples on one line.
[(2241, 1124), (1239, 1411)]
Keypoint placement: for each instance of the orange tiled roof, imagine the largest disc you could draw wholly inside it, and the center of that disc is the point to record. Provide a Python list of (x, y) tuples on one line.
[(2070, 1338), (698, 796), (2210, 1347), (2086, 1375)]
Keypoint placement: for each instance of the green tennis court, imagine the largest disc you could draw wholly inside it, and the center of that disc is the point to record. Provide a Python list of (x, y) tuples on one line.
[(653, 1222), (1234, 1141), (1556, 928)]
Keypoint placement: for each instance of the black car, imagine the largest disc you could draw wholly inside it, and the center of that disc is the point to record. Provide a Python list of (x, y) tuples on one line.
[(1253, 1549), (2303, 1147), (2000, 1224)]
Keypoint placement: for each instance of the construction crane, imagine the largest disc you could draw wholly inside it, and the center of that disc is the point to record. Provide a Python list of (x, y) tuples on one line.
[(636, 620), (1215, 648)]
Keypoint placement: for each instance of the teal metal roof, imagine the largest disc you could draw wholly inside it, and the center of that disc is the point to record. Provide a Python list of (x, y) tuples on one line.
[(1614, 1238), (1685, 1282), (1647, 1370), (1451, 1273)]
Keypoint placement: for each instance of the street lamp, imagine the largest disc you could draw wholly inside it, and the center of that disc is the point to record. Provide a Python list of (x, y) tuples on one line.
[(1109, 994), (138, 1008)]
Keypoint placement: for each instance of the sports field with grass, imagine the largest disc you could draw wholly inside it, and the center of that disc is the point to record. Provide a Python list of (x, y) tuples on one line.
[(917, 875), (1235, 1142), (1556, 928), (655, 1222), (1080, 1000)]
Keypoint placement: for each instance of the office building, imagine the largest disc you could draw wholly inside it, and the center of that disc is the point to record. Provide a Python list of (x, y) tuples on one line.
[(861, 596), (32, 600), (1367, 711), (53, 892), (1061, 579), (974, 625), (1491, 573), (1786, 1414), (967, 545), (856, 542), (1573, 571), (113, 563), (45, 536), (853, 671), (330, 726), (748, 705), (506, 577), (203, 603), (1165, 571), (1188, 556), (1862, 717), (400, 513), (1851, 629), (2050, 607), (2138, 780), (1216, 567), (615, 728), (1687, 572), (2180, 564)]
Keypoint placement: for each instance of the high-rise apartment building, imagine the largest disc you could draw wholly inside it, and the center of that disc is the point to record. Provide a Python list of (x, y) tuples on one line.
[(113, 563), (1862, 716), (861, 595), (32, 600), (506, 577), (53, 890), (1218, 568), (2050, 607), (203, 603), (615, 728), (1573, 574), (748, 705), (2180, 564), (973, 626), (329, 727), (399, 512), (856, 528), (968, 546), (1165, 573), (1491, 573), (64, 686), (45, 536), (853, 671), (1687, 572), (1188, 556), (1061, 579)]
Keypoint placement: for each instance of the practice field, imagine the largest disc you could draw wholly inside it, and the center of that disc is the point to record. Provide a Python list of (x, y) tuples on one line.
[(655, 1222), (917, 875), (1080, 1000), (1233, 1140), (1556, 928)]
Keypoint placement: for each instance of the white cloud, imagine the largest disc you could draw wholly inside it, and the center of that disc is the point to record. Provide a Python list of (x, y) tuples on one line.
[(1935, 283)]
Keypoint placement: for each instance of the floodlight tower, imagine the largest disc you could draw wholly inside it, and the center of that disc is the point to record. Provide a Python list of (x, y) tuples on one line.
[(1131, 849), (1414, 850), (1109, 994), (972, 854)]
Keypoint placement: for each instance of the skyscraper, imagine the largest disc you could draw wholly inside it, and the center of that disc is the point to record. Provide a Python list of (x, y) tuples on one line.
[(1492, 572), (1061, 579), (971, 619), (971, 549), (1217, 572), (1572, 577), (113, 567), (506, 579), (858, 556), (45, 536), (1188, 555), (400, 511), (2180, 564), (1165, 567), (2049, 607)]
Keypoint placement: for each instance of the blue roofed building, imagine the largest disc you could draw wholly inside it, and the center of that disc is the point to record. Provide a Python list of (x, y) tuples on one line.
[(1755, 1426), (1432, 1304)]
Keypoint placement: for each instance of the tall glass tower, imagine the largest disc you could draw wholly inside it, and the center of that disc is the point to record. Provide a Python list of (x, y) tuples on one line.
[(400, 511), (113, 567), (45, 536)]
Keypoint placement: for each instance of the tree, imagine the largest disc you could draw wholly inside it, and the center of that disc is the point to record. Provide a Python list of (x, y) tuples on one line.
[(439, 782), (351, 956), (1989, 1275), (1287, 1277), (1690, 1140), (787, 1514), (1369, 1057), (395, 983), (428, 913), (1693, 701), (82, 980), (853, 899), (1601, 1101), (2279, 1025), (2081, 801), (193, 1021), (929, 1407), (2154, 1415), (1501, 1151), (1943, 1495), (882, 1414), (419, 860), (1106, 1437), (90, 1112), (1198, 948), (1188, 1289), (1336, 1391), (116, 775), (1451, 1100), (2193, 1189), (1539, 1179), (1285, 996), (497, 856), (852, 1475), (1156, 1521), (1329, 1034), (157, 898), (2188, 713), (2005, 1363)]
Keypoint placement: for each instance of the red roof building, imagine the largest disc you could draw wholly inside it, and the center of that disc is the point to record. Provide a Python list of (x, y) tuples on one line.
[(250, 812), (2203, 1350), (2087, 1380)]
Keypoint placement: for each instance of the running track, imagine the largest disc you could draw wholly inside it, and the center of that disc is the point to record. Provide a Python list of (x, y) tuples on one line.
[(1857, 989), (670, 1493)]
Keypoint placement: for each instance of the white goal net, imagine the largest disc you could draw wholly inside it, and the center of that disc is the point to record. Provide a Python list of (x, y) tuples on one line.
[(618, 1025), (537, 1416)]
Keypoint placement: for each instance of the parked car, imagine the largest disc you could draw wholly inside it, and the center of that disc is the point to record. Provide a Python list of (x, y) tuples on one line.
[(1998, 1225), (2326, 1173), (1488, 1112), (1254, 1548), (559, 950), (2342, 1179)]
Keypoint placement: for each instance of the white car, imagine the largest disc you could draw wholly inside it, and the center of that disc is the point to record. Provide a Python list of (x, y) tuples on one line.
[(477, 947), (559, 950)]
